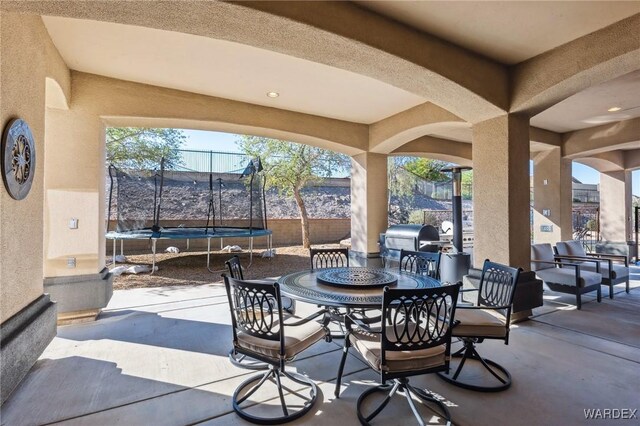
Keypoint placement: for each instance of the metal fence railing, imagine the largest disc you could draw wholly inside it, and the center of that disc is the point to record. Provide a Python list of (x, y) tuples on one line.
[(212, 161), (586, 227), (586, 196)]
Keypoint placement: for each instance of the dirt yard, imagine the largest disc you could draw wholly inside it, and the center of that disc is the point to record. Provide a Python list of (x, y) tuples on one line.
[(189, 268)]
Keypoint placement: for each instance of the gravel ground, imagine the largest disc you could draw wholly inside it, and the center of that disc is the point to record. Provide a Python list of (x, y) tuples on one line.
[(189, 268)]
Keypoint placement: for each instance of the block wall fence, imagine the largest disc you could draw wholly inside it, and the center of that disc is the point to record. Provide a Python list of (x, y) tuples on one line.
[(286, 232)]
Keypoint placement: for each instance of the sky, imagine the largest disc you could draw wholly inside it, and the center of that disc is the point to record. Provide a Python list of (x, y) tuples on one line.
[(586, 174), (203, 140), (225, 142)]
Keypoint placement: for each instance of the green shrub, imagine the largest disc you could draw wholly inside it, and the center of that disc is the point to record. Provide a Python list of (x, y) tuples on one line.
[(416, 217)]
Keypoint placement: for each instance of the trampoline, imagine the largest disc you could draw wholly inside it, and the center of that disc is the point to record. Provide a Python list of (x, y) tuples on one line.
[(140, 200), (189, 234)]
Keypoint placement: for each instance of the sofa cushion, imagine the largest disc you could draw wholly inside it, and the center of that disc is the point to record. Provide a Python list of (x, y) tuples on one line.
[(567, 276), (570, 248), (541, 252)]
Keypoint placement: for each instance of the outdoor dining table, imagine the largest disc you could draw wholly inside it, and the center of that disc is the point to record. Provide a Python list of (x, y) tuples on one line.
[(350, 287)]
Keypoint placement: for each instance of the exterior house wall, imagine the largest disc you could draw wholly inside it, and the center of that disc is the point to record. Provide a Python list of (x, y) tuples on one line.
[(22, 95)]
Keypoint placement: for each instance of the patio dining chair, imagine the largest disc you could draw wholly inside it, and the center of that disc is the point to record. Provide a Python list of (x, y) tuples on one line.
[(488, 318), (261, 332), (613, 268), (420, 262), (289, 305), (331, 258), (400, 349)]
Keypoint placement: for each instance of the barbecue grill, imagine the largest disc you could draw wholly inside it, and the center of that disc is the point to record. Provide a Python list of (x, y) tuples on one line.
[(408, 237)]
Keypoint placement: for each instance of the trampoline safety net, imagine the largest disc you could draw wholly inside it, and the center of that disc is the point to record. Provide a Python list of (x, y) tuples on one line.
[(141, 199)]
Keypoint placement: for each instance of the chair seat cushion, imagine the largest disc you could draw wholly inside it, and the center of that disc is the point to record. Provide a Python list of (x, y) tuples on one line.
[(567, 276), (618, 270), (397, 361), (296, 340), (478, 322)]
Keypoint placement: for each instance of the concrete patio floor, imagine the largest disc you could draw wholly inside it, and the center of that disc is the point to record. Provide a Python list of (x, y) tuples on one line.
[(159, 357)]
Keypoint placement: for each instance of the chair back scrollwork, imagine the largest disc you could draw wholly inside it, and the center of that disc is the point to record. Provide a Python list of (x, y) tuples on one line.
[(420, 262), (329, 258), (418, 319), (255, 308), (497, 286)]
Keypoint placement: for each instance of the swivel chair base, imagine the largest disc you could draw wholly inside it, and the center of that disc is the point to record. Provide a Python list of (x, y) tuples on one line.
[(403, 386), (499, 374), (274, 375)]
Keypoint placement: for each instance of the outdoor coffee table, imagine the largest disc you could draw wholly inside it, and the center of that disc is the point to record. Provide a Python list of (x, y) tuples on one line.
[(352, 287)]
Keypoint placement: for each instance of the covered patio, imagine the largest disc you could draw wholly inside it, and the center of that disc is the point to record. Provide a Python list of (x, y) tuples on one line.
[(497, 86), (159, 356)]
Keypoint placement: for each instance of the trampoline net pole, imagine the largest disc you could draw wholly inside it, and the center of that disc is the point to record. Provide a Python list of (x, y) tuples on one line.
[(156, 219), (110, 169)]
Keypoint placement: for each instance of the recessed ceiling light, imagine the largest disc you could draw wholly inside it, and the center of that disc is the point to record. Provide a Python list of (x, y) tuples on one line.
[(273, 94), (614, 109)]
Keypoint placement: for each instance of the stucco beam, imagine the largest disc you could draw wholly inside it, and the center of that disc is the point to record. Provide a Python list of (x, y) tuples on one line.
[(605, 162), (371, 44), (550, 77), (547, 137), (58, 91), (608, 137), (632, 159), (392, 132), (438, 149), (135, 104), (339, 34)]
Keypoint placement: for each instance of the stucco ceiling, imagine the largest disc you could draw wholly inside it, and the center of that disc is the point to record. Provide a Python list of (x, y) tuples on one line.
[(589, 108), (507, 31), (224, 69)]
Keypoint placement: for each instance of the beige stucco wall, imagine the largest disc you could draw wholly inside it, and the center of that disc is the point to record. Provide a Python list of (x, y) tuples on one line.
[(554, 195), (615, 206), (369, 201), (501, 191), (24, 58), (74, 182)]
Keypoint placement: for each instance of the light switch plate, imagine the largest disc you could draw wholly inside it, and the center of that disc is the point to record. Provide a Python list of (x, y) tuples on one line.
[(73, 223), (546, 212)]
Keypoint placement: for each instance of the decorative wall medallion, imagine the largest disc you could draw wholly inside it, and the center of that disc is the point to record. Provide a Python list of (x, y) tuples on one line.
[(18, 158)]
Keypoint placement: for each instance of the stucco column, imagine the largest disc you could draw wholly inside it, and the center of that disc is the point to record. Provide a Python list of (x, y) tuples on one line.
[(615, 206), (501, 191), (552, 197), (369, 211), (74, 255)]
